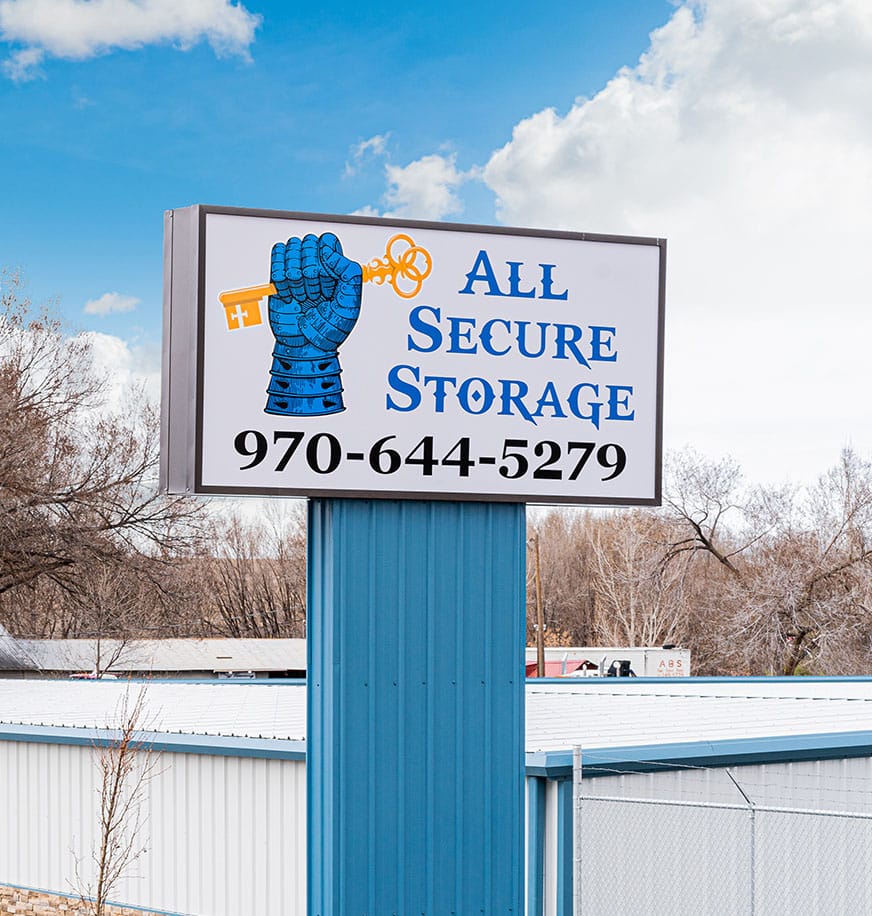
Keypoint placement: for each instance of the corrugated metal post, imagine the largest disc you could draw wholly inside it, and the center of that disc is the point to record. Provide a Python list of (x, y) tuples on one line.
[(565, 865), (576, 831), (536, 793), (416, 708)]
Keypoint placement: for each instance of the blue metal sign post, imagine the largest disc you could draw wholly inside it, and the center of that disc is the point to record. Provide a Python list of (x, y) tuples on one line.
[(416, 707)]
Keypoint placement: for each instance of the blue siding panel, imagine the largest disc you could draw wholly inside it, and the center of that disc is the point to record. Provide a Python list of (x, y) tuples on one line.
[(416, 694), (536, 794), (564, 848)]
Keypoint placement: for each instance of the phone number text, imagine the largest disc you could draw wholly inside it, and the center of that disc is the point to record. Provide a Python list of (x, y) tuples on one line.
[(323, 453)]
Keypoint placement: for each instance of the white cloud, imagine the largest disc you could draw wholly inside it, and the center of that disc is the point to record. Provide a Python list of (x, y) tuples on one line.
[(78, 30), (23, 64), (111, 303), (424, 189), (124, 367), (366, 210), (744, 137), (376, 147)]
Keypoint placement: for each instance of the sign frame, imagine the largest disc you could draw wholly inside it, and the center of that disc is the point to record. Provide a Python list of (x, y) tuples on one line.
[(182, 412)]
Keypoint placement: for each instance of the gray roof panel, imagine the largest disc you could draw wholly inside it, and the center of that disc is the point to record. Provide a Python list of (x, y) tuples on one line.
[(559, 715)]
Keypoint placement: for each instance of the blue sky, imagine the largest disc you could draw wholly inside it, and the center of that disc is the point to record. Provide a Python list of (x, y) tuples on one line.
[(740, 130), (95, 150)]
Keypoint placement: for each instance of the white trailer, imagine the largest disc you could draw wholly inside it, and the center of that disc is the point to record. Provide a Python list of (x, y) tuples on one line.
[(616, 661)]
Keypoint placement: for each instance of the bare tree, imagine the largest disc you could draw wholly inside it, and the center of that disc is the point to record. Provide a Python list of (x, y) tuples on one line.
[(113, 608), (568, 599), (77, 479), (798, 562), (127, 765), (79, 507), (257, 581), (754, 580), (640, 600)]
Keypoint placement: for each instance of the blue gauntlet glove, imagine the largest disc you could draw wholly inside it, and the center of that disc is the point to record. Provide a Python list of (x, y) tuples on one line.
[(315, 308)]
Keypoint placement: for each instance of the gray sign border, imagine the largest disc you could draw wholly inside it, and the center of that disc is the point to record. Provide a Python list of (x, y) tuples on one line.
[(182, 380)]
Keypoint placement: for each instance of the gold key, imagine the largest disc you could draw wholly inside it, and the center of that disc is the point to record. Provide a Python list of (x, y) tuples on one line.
[(405, 270), (242, 306)]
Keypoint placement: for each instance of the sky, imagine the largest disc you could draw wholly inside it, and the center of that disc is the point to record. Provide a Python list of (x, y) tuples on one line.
[(738, 130)]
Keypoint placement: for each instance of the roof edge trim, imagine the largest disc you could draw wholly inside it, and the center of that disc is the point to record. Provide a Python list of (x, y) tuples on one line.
[(215, 745), (647, 758)]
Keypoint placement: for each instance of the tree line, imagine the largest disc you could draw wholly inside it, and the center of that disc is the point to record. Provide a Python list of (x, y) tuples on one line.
[(88, 547), (754, 580)]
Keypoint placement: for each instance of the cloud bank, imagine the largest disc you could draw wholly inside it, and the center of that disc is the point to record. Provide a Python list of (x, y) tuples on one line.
[(124, 367), (743, 136), (81, 29)]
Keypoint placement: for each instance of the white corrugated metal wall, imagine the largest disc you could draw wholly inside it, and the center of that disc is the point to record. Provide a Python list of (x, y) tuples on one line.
[(225, 835), (228, 831)]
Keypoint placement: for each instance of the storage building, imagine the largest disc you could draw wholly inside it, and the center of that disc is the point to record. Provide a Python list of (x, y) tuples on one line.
[(163, 658), (697, 795)]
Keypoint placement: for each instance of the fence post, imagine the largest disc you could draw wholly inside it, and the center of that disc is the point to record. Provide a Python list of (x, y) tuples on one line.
[(753, 882), (753, 819), (576, 831)]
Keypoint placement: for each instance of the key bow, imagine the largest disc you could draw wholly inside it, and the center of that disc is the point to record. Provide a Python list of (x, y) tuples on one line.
[(413, 264)]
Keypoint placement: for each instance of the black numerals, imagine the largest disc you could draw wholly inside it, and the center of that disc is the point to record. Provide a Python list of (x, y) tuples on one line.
[(459, 458), (257, 454), (295, 440), (517, 463), (384, 460), (586, 451), (323, 454), (551, 452), (422, 455), (619, 463)]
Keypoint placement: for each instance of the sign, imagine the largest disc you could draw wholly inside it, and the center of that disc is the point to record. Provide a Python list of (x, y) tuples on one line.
[(352, 356)]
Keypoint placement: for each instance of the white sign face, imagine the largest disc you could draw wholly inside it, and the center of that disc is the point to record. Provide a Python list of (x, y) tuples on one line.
[(367, 358)]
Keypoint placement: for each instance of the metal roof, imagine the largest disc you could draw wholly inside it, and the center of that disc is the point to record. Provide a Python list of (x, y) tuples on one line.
[(612, 713), (242, 709), (140, 655), (12, 657), (594, 714)]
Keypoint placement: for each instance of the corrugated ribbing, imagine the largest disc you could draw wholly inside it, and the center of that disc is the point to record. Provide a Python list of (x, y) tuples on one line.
[(221, 836), (415, 765)]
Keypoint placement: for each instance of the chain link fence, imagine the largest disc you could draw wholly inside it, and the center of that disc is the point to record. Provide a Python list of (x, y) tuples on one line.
[(653, 855)]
